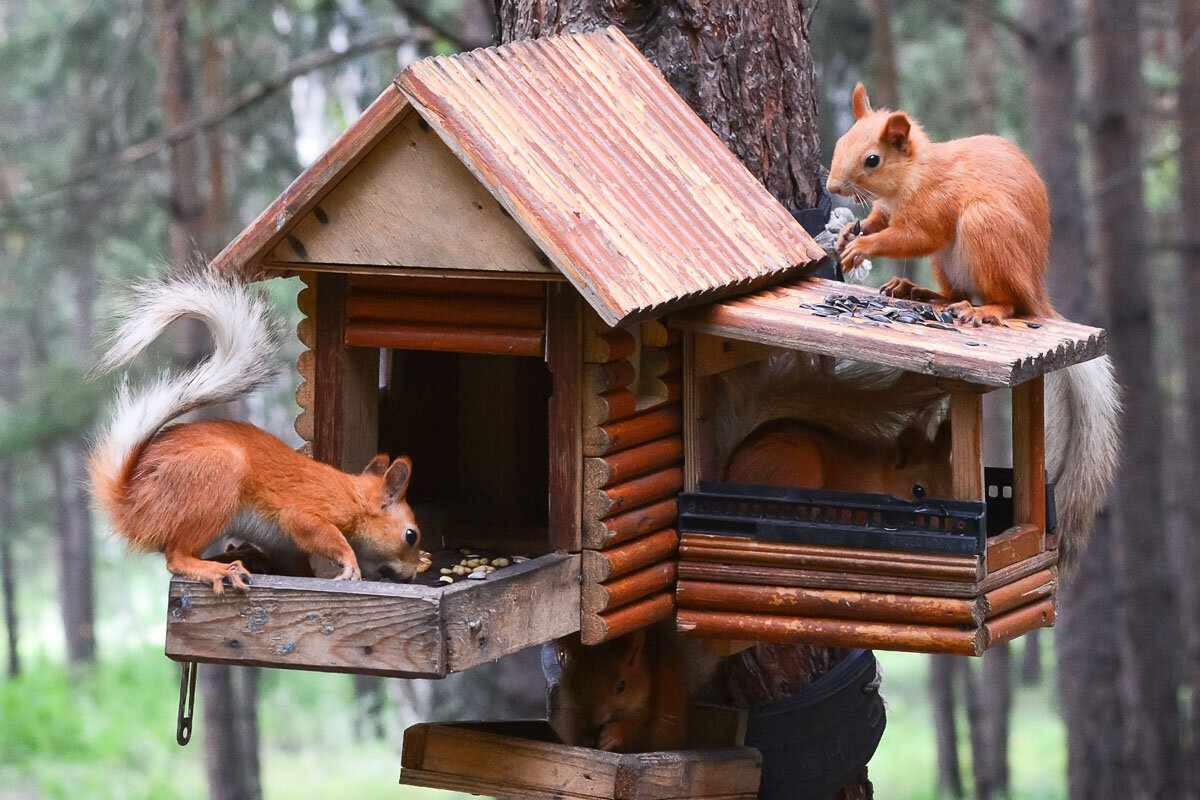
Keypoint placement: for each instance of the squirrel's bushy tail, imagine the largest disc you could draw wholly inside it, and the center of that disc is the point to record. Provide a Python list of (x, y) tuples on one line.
[(244, 336), (857, 400), (1082, 405)]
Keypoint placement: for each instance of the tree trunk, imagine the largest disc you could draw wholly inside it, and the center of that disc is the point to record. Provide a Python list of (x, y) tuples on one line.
[(745, 67), (230, 729), (1147, 627), (74, 555), (945, 726), (8, 575), (983, 63), (1189, 211), (989, 699), (1031, 659), (885, 92)]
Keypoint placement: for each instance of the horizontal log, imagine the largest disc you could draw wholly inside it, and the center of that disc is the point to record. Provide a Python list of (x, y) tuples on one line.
[(489, 341), (658, 391), (602, 597), (633, 431), (597, 628), (659, 361), (821, 579), (635, 493), (601, 472), (603, 565), (599, 534), (708, 540), (1021, 592), (607, 346), (833, 633), (600, 378), (450, 285), (656, 334), (452, 310), (1006, 627), (1015, 544), (611, 406), (792, 601), (829, 559), (305, 425)]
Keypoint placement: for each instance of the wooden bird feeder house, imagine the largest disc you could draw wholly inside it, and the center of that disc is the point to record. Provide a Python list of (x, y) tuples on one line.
[(526, 267)]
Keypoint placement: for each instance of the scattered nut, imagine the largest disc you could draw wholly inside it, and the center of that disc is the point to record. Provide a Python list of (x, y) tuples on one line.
[(483, 561), (480, 568), (459, 569), (472, 562), (500, 562), (489, 568), (444, 570), (446, 579), (424, 566)]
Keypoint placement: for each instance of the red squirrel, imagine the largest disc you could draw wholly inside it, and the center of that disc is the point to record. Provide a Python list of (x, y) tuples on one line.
[(629, 694), (178, 488), (978, 207)]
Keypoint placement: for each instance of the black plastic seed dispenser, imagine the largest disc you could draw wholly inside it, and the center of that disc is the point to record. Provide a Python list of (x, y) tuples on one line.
[(854, 519)]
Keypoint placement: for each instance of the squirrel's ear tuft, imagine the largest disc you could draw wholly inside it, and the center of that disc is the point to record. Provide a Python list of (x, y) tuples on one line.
[(895, 131), (861, 103)]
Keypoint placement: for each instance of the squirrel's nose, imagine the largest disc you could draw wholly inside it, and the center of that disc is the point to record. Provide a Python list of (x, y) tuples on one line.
[(834, 186)]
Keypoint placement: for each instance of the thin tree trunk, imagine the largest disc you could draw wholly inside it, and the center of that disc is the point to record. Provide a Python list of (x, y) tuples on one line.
[(745, 67), (1147, 626), (370, 696), (983, 63), (8, 575), (74, 555), (230, 730), (945, 726), (1031, 659), (886, 90), (1188, 105)]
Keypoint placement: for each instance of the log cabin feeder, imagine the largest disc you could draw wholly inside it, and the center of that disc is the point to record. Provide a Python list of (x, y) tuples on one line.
[(525, 267)]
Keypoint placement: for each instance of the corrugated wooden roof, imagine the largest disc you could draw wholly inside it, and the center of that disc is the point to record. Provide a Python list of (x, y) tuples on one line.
[(607, 169), (990, 355)]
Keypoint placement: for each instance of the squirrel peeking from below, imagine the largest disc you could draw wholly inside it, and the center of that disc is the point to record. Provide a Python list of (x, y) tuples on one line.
[(627, 695)]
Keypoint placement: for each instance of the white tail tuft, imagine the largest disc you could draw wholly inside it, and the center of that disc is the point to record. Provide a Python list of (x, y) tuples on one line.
[(245, 338), (1082, 405)]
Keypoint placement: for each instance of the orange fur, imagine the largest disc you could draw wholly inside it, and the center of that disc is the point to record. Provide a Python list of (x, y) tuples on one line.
[(791, 452), (627, 695), (183, 488), (976, 206)]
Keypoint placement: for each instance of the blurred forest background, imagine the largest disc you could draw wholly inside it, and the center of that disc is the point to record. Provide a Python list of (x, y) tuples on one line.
[(137, 133)]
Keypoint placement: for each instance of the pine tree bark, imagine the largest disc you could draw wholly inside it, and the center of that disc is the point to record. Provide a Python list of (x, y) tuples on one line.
[(1147, 626), (746, 68), (1188, 104)]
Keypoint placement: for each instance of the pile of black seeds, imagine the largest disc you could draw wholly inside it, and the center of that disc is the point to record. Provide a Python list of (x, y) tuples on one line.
[(883, 311)]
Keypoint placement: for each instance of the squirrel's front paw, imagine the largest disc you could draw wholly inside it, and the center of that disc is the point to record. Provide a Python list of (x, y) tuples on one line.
[(854, 253), (610, 738), (236, 574), (350, 572), (900, 288), (847, 234)]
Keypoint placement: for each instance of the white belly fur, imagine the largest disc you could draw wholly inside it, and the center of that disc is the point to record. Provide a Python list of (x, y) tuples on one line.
[(956, 273)]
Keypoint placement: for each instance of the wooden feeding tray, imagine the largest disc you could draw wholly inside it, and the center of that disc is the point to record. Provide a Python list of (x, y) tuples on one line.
[(390, 629), (523, 761)]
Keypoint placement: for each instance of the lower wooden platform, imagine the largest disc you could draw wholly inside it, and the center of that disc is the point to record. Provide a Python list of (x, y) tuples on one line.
[(390, 629), (522, 761)]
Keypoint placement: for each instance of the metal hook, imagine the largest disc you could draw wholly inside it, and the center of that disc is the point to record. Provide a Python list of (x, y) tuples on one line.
[(187, 702)]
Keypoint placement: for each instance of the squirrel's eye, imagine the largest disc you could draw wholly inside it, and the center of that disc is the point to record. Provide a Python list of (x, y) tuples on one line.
[(411, 536), (620, 687), (872, 160)]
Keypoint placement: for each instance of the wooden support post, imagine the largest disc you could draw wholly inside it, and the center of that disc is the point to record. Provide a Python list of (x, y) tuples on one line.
[(564, 352), (699, 440), (330, 368), (966, 426), (1029, 453)]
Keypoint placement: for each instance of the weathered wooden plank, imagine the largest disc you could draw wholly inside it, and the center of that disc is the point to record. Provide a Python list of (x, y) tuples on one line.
[(564, 348), (633, 462), (410, 202), (597, 628), (520, 760), (330, 369), (1006, 627), (447, 309), (1037, 586), (599, 598), (514, 608), (715, 354), (790, 601), (603, 565), (613, 405), (636, 430), (599, 534), (634, 493), (456, 284), (966, 435), (699, 421), (1029, 453), (488, 341), (1014, 545), (307, 623), (242, 257), (833, 633), (600, 378)]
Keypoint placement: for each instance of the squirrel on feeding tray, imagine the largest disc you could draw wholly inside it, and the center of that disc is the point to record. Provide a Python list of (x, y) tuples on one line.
[(179, 488), (978, 208)]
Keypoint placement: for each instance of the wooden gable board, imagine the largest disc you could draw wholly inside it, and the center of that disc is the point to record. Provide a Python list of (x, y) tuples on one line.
[(409, 203)]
